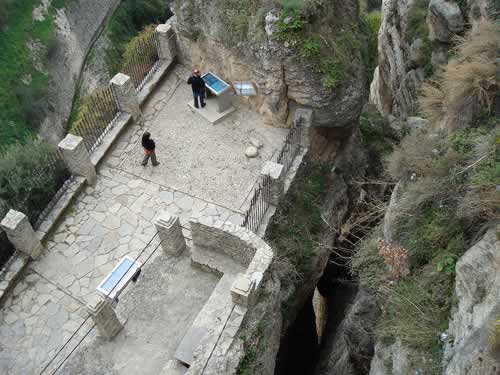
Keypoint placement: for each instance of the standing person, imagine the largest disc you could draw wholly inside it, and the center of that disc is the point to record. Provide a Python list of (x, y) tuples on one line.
[(198, 85), (149, 147)]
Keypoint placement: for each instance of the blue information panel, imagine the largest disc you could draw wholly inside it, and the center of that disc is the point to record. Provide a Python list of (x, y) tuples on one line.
[(117, 275), (118, 278), (215, 84)]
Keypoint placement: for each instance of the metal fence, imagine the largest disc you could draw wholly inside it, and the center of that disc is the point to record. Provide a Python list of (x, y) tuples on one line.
[(38, 200), (96, 117), (259, 204), (6, 249), (144, 60), (290, 149)]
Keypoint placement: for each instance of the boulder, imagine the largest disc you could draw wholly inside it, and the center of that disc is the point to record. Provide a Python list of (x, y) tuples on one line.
[(444, 19), (256, 143), (417, 123), (251, 152), (440, 54), (417, 53)]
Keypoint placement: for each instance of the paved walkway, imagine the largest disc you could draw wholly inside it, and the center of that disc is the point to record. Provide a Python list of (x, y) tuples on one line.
[(203, 173)]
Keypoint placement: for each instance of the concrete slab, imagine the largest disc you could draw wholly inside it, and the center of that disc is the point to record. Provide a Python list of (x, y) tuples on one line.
[(209, 112), (209, 323), (198, 158), (158, 310)]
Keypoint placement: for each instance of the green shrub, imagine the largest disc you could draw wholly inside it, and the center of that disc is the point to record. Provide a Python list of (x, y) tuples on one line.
[(370, 25), (290, 22), (333, 73), (417, 25), (311, 49), (25, 181), (375, 132)]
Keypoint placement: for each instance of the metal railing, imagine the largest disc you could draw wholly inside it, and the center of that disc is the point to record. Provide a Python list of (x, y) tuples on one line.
[(144, 61), (259, 204), (97, 117), (290, 149), (37, 201)]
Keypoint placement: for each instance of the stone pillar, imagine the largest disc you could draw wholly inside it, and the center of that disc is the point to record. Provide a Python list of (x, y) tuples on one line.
[(243, 290), (104, 316), (77, 158), (303, 120), (275, 172), (126, 95), (21, 234), (166, 38), (170, 232)]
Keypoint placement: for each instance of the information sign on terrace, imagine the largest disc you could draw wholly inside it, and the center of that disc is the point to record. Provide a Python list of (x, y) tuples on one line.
[(115, 281), (245, 88), (215, 84)]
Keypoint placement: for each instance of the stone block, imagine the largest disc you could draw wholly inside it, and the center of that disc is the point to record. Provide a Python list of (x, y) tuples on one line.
[(21, 233), (77, 158), (104, 316), (170, 233), (167, 44), (126, 95), (275, 171), (243, 290)]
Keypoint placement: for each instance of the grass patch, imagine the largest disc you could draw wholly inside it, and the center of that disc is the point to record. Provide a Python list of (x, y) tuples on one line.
[(22, 104), (295, 227), (435, 235)]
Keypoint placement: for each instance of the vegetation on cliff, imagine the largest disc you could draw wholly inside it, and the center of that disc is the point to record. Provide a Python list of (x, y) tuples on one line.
[(447, 196), (26, 44)]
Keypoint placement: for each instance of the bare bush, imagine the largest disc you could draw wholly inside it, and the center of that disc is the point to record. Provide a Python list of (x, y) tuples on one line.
[(413, 155), (468, 83)]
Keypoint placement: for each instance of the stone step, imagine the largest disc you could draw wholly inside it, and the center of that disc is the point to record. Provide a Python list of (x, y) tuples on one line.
[(209, 322), (212, 261)]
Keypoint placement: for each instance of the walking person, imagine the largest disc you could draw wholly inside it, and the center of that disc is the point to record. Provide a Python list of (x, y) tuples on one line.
[(149, 147), (198, 86)]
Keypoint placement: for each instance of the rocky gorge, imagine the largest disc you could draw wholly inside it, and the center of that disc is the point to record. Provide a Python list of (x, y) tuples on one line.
[(387, 257), (417, 41)]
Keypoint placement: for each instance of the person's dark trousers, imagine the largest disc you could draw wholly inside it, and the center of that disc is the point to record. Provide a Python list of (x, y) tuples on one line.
[(200, 95)]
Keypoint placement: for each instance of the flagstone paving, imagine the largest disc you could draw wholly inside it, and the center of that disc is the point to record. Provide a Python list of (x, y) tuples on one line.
[(203, 172)]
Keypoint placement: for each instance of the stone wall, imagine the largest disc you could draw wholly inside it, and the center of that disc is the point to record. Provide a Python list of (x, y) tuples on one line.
[(78, 25), (236, 242)]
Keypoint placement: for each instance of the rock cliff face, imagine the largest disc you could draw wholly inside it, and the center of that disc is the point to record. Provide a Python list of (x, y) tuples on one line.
[(477, 281), (414, 38), (77, 27), (284, 80)]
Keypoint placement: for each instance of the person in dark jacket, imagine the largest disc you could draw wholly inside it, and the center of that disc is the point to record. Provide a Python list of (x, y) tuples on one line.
[(198, 85), (149, 147)]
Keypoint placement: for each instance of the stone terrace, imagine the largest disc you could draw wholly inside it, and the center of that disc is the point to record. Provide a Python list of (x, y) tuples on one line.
[(203, 173)]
